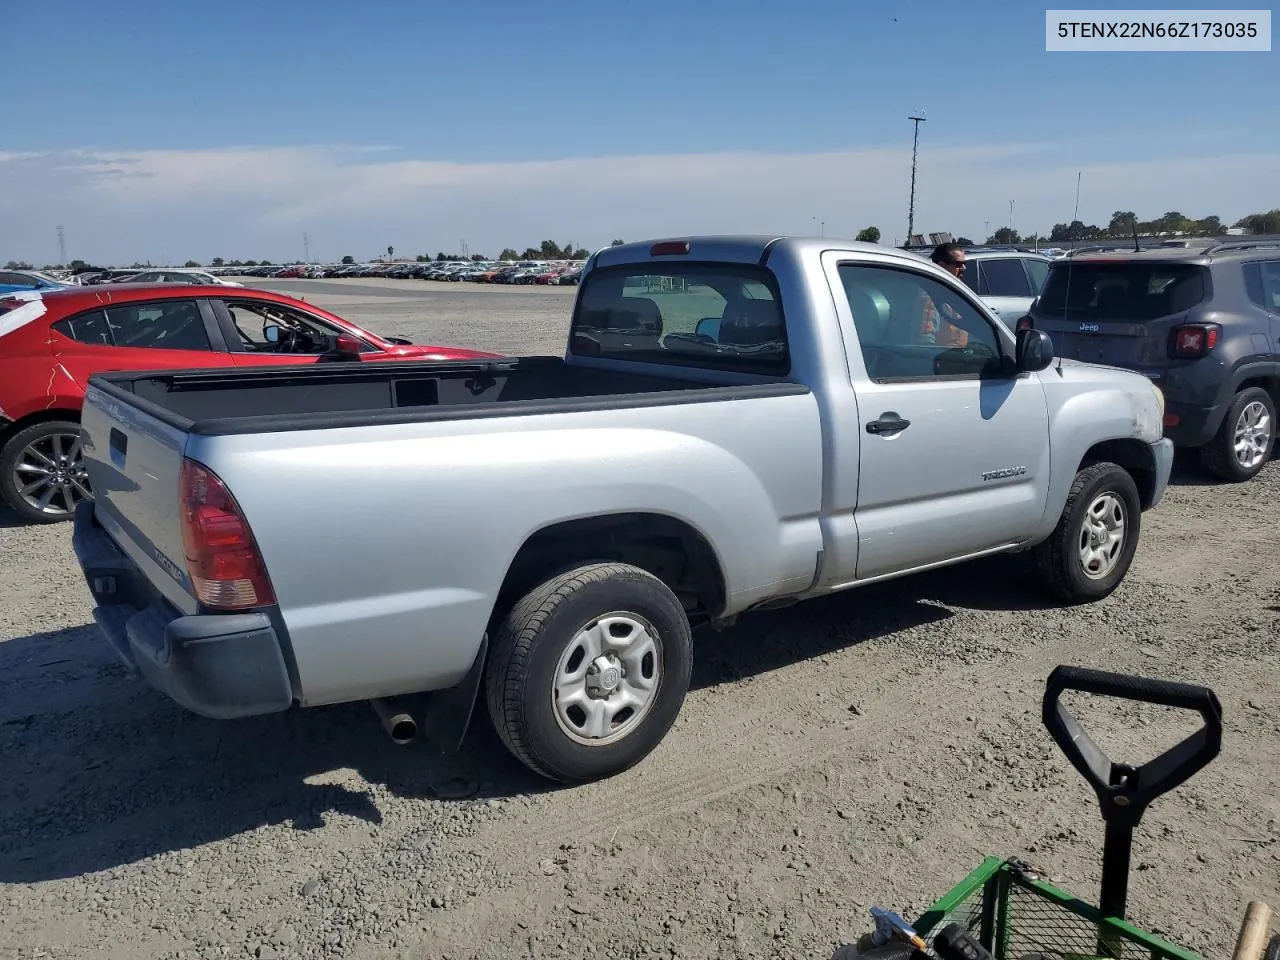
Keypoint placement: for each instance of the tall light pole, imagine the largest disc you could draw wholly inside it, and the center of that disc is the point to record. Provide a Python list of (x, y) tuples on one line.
[(306, 248), (1011, 221), (915, 149)]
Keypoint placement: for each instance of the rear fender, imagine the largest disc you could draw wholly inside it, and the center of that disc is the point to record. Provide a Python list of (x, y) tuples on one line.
[(1267, 371)]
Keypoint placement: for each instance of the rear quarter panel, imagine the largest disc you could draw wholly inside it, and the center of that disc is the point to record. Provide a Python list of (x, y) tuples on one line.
[(387, 545)]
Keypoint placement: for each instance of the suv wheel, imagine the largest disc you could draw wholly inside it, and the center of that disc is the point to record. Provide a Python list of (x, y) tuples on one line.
[(1091, 548), (1244, 442)]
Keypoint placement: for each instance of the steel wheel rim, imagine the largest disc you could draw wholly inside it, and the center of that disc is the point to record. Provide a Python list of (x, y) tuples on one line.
[(607, 679), (1252, 434), (50, 474), (1102, 536)]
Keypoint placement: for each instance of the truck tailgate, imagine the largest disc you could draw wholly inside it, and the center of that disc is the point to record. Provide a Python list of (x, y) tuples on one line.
[(134, 461)]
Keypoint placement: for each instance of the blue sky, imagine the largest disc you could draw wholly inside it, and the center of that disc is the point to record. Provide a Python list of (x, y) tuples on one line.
[(165, 130)]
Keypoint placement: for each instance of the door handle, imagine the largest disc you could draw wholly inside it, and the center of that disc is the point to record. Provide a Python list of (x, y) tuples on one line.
[(888, 423)]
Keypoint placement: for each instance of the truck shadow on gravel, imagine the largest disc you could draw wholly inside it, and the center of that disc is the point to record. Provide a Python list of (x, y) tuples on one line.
[(100, 771)]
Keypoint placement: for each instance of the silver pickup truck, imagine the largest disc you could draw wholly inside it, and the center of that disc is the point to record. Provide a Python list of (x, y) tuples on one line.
[(736, 423)]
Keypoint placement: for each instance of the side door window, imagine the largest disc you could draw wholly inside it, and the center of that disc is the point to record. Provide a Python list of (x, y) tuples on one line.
[(90, 328), (166, 325), (1038, 271), (913, 327), (272, 328), (1004, 277), (1270, 270)]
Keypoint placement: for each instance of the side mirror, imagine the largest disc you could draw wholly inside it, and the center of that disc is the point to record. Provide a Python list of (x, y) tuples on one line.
[(340, 348), (708, 327), (1034, 350), (271, 333), (347, 345)]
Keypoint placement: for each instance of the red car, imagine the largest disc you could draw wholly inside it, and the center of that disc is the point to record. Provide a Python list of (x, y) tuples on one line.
[(52, 342)]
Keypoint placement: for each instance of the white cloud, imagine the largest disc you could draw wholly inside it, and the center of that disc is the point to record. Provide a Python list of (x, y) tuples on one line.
[(168, 205)]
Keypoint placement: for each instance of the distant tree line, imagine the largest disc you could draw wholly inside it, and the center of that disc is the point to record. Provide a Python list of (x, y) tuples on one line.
[(1124, 223)]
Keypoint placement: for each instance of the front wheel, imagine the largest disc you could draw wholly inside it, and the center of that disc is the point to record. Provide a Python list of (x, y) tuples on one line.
[(42, 472), (1092, 547), (588, 671)]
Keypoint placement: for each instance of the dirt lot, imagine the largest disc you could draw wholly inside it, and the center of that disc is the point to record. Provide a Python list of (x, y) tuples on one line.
[(866, 749)]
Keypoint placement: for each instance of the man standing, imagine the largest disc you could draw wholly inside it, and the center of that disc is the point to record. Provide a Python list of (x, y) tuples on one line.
[(935, 329)]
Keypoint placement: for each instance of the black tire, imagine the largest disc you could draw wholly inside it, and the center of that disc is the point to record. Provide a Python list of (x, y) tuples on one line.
[(1057, 562), (544, 625), (1219, 455), (14, 474)]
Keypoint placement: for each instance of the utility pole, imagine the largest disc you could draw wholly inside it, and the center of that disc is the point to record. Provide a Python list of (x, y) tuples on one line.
[(1011, 221), (986, 225), (915, 148), (306, 247), (62, 247)]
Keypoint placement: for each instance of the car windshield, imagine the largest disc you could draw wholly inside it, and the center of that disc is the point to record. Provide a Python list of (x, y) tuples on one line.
[(1122, 290), (721, 316)]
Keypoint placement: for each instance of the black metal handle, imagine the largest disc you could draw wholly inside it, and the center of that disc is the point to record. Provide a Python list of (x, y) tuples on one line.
[(888, 423), (118, 441), (1124, 791)]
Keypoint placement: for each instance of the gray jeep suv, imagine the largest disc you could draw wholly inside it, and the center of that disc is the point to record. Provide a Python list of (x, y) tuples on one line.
[(1203, 324)]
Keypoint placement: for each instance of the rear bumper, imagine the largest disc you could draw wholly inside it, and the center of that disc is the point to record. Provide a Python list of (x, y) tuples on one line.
[(1195, 425), (1162, 451), (217, 665)]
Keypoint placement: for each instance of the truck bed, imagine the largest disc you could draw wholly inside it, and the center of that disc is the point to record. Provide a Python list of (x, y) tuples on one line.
[(269, 399)]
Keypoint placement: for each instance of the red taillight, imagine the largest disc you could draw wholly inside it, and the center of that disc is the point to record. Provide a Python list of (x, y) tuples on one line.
[(1192, 340), (668, 247), (222, 558), (1023, 324)]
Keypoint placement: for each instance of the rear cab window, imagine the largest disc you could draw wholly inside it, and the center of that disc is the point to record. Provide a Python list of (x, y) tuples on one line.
[(717, 316), (1122, 290)]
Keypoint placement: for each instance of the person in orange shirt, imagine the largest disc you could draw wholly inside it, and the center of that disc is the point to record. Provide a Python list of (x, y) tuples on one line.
[(934, 327)]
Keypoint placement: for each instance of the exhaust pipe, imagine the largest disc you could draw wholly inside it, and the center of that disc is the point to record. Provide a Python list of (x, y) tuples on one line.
[(399, 723)]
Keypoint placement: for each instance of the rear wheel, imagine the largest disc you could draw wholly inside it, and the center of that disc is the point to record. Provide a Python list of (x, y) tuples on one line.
[(42, 472), (1242, 445), (1091, 548), (588, 671)]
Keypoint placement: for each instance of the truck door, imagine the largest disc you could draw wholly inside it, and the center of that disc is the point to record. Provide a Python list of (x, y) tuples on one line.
[(954, 450)]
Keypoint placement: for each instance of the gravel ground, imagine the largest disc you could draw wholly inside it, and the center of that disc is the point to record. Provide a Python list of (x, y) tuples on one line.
[(868, 748)]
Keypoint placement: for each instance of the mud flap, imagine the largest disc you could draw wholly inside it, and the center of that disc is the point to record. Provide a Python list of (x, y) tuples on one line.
[(446, 714)]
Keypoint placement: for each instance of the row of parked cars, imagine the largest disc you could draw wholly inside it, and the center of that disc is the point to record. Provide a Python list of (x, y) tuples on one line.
[(475, 271)]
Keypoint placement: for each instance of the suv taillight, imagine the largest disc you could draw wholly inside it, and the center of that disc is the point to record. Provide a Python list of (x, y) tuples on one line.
[(1023, 324), (1193, 339), (226, 568)]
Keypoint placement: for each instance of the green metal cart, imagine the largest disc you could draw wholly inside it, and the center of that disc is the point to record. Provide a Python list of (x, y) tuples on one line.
[(1012, 911)]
